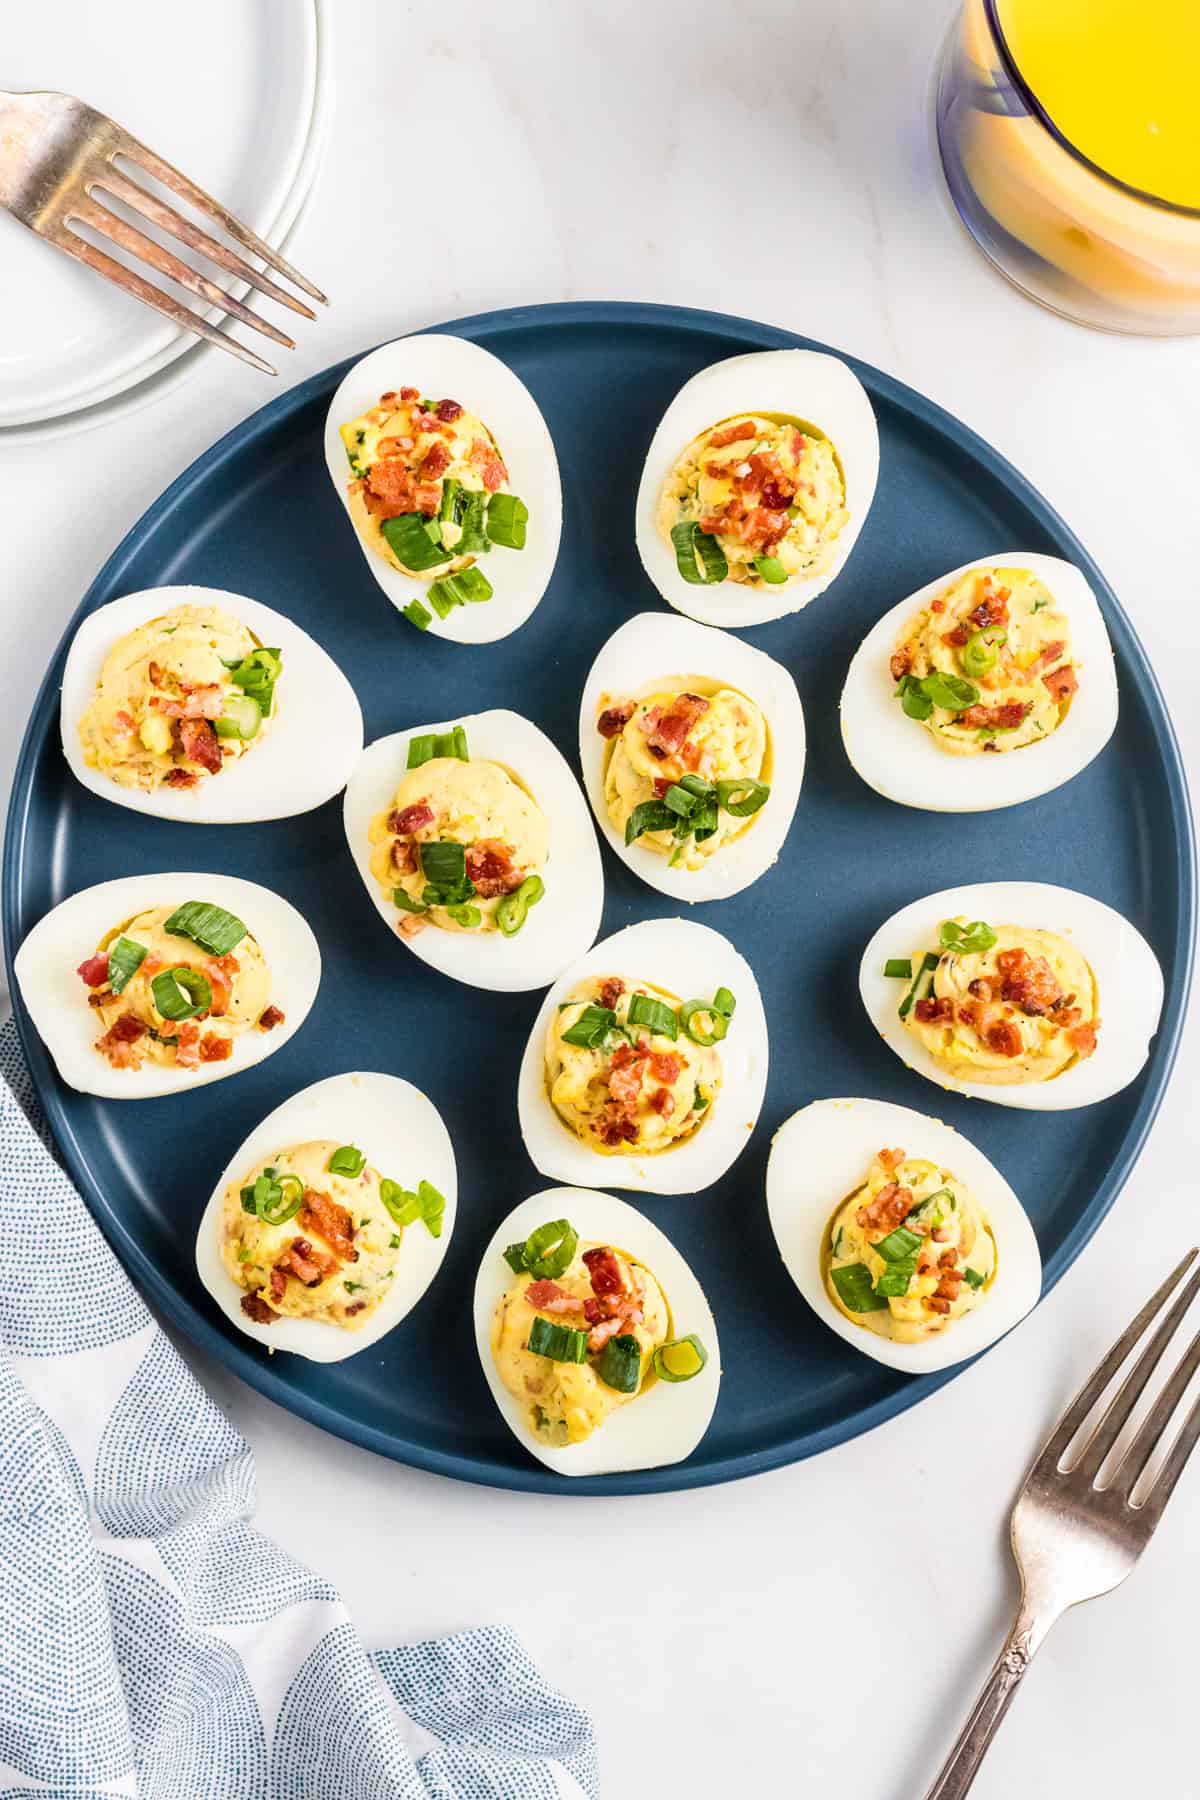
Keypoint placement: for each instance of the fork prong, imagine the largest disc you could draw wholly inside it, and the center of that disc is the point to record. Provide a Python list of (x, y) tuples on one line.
[(1151, 1511), (121, 232), (1153, 1427), (137, 152), (116, 272), (164, 216), (1115, 1415), (1092, 1389)]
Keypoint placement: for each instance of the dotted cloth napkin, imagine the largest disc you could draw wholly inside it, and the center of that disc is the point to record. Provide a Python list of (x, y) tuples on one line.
[(153, 1644)]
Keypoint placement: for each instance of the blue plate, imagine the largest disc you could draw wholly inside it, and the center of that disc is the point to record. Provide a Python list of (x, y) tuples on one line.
[(257, 514)]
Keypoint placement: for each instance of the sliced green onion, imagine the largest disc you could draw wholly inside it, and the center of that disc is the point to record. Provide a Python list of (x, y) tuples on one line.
[(465, 587), (421, 750), (700, 1100), (433, 1205), (692, 1011), (561, 1343), (619, 1364), (921, 983), (448, 510), (724, 1003), (898, 1246), (403, 1206), (181, 993), (348, 1160), (474, 540), (411, 539), (273, 1199), (513, 910), (241, 718), (924, 1207), (742, 797), (466, 916), (407, 902), (211, 927), (678, 800), (898, 968), (417, 615), (681, 1359), (550, 1250), (973, 1278), (591, 1027), (514, 1256), (256, 675), (855, 1288), (967, 940), (444, 866), (650, 815), (432, 744), (896, 1280), (981, 652), (698, 556), (656, 1015), (125, 958), (770, 569), (507, 517)]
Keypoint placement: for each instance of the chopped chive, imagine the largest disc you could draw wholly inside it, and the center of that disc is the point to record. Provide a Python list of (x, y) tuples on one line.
[(417, 615)]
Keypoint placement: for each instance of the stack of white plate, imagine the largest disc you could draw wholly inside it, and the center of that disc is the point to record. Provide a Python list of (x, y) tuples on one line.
[(235, 94)]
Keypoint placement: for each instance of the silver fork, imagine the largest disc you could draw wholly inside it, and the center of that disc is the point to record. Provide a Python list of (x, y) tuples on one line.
[(1072, 1539), (58, 166)]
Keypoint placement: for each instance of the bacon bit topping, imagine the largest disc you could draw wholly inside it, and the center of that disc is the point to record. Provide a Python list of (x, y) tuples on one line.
[(731, 434), (181, 778), (948, 1258), (435, 464), (411, 924), (935, 1010), (94, 971), (118, 1042), (321, 1214), (902, 662), (407, 394), (604, 1272), (940, 1235), (599, 1335), (1062, 684), (268, 1020), (614, 719), (411, 819), (1028, 982), (256, 1308), (101, 997), (122, 724), (390, 489), (663, 1102), (448, 411), (483, 457), (490, 866), (214, 1048), (617, 1129), (187, 1049), (611, 991), (666, 1067), (1082, 1039), (1004, 1037), (308, 1264), (200, 744), (759, 527), (663, 785), (887, 1209), (625, 1078), (667, 732), (981, 987), (938, 1305), (547, 1296), (206, 702), (992, 610), (890, 1159), (1005, 717), (403, 860), (937, 606), (761, 475)]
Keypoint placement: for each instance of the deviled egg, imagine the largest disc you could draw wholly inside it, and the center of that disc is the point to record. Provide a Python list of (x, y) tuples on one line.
[(647, 1061), (989, 686), (900, 1234), (692, 747), (756, 485), (441, 457), (332, 1218), (595, 1337), (474, 843), (1015, 991), (158, 983), (195, 704)]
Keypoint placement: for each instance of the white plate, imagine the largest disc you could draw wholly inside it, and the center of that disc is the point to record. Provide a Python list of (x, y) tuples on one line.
[(246, 123)]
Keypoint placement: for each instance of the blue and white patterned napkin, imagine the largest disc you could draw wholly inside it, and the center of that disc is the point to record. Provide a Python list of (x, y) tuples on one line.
[(153, 1644)]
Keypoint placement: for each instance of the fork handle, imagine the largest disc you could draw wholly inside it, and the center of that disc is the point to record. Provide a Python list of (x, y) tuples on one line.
[(962, 1765)]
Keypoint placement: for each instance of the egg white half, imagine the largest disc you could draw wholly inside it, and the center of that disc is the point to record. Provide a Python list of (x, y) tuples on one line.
[(45, 967), (668, 1419), (819, 390), (822, 1153), (401, 1133), (446, 367), (690, 961), (1128, 978), (307, 755), (649, 652), (897, 756), (561, 925)]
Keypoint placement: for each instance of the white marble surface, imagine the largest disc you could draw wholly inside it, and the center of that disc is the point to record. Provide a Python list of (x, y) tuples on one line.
[(818, 1630)]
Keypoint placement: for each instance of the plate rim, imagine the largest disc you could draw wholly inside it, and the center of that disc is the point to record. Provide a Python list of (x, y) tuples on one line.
[(493, 327)]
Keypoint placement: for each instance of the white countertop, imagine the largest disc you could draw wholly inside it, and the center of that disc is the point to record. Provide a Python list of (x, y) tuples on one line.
[(821, 1629)]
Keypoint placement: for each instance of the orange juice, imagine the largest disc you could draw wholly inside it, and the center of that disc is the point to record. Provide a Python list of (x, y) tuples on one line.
[(1070, 139), (1118, 78)]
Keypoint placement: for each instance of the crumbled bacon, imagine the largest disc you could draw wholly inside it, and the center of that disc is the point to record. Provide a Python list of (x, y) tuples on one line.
[(411, 924), (214, 1048), (933, 1011), (119, 1040), (407, 394), (991, 610), (667, 732), (256, 1308), (122, 724), (219, 981), (890, 1205), (731, 434), (483, 457), (321, 1214), (614, 719), (207, 702), (604, 1272), (1062, 684), (666, 1067), (490, 867), (1028, 982), (278, 1279), (187, 1047), (937, 1304), (428, 422), (600, 1333), (663, 1102), (663, 785), (761, 475), (448, 411), (390, 489), (268, 1020), (411, 819), (308, 1264), (200, 744), (181, 778), (617, 1128), (1082, 1039), (547, 1296), (94, 971), (435, 463), (758, 527), (611, 991), (890, 1159), (1004, 1037), (902, 662), (403, 860), (937, 606), (1004, 717), (625, 1078)]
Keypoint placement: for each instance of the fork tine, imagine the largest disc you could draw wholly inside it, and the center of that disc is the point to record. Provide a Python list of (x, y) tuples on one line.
[(159, 213), (174, 178), (1164, 1486), (1092, 1389), (1116, 1413), (174, 310), (1153, 1426), (167, 263)]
